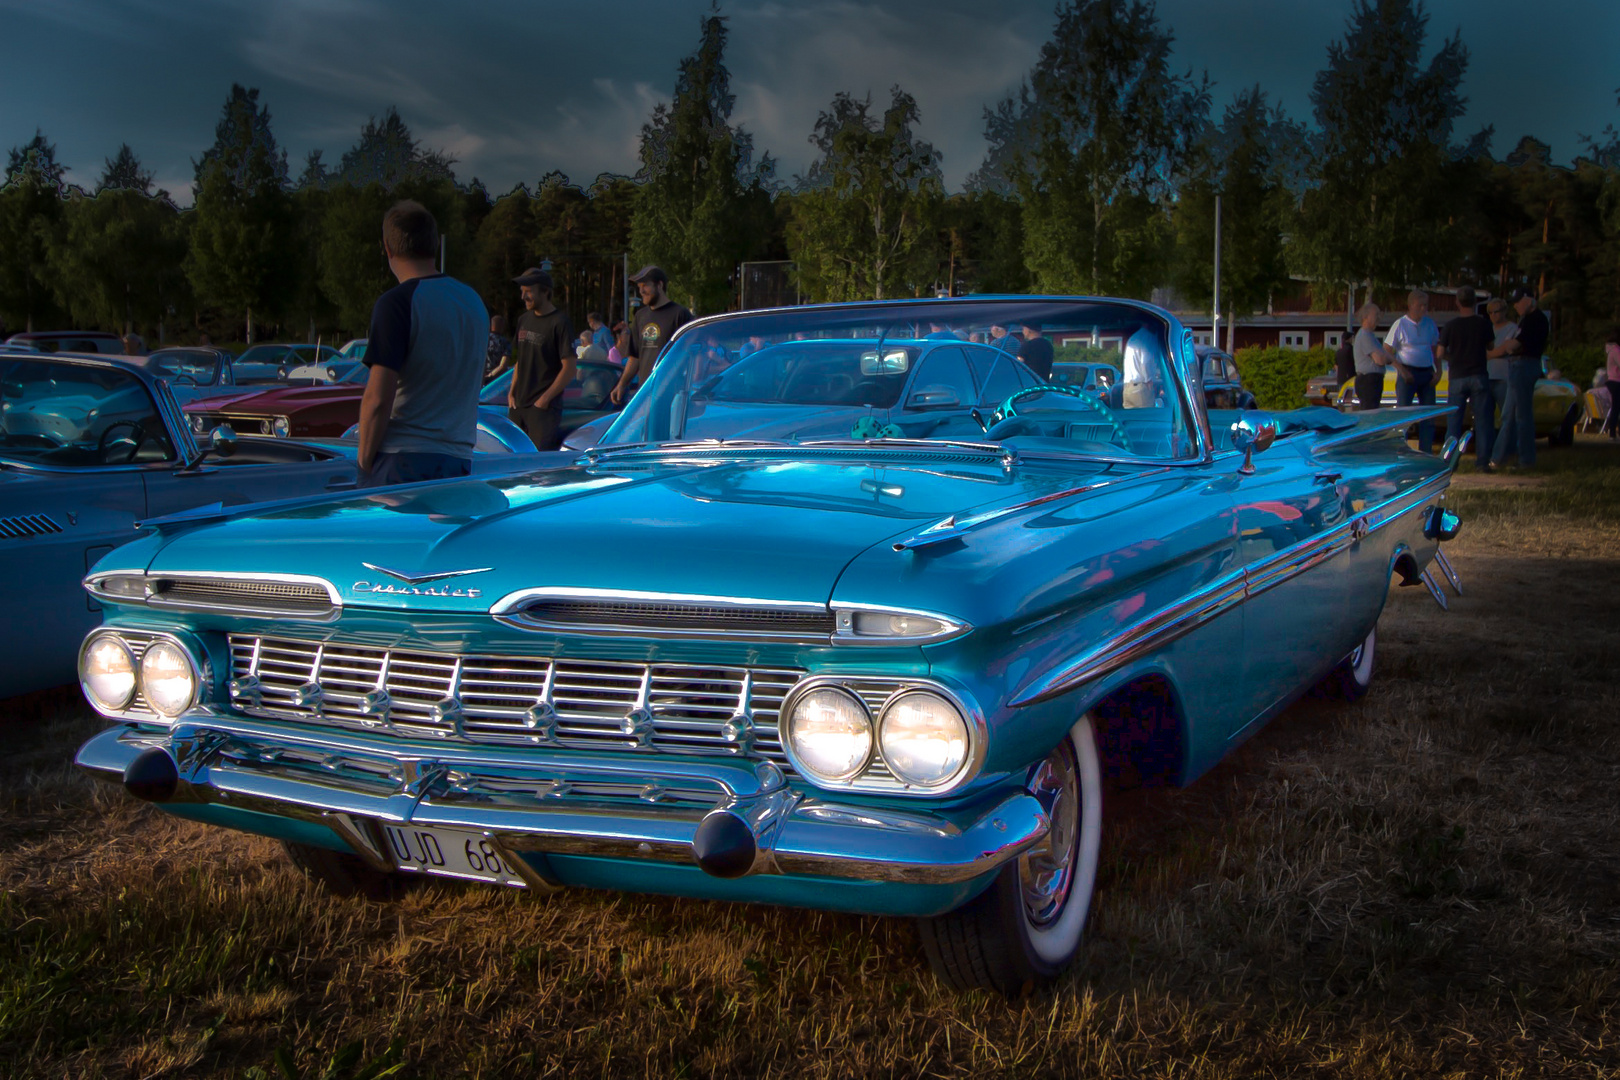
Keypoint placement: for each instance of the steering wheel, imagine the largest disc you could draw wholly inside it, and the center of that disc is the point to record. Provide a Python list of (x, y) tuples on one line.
[(111, 440), (999, 424), (183, 378)]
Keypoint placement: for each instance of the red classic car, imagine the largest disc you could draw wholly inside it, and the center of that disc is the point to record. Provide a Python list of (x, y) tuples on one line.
[(327, 410)]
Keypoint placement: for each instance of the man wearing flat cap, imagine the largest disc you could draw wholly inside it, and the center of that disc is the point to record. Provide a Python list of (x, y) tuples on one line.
[(542, 361), (655, 322)]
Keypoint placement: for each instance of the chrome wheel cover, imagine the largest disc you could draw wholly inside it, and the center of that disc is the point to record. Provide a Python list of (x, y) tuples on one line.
[(1046, 871)]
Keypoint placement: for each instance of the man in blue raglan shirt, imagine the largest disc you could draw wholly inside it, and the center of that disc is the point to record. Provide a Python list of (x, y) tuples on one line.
[(419, 412)]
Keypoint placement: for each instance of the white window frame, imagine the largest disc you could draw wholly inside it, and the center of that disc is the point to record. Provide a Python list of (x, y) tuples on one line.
[(1333, 338), (1203, 337), (1298, 340)]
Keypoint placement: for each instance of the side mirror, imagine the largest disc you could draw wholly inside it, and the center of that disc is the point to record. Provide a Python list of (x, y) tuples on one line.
[(222, 441), (934, 399), (1252, 433)]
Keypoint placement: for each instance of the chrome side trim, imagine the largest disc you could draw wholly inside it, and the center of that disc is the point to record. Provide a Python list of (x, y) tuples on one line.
[(1157, 630)]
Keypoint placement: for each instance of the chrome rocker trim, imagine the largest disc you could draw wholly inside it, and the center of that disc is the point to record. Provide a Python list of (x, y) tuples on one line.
[(1155, 631), (568, 803)]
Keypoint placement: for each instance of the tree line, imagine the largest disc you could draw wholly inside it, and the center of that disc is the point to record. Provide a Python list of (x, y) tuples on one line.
[(1100, 177)]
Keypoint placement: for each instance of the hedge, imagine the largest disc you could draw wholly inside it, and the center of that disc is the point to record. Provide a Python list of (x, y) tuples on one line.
[(1277, 376), (1578, 362)]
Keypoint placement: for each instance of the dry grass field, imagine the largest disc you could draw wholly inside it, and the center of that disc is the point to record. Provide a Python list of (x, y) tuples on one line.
[(1426, 883)]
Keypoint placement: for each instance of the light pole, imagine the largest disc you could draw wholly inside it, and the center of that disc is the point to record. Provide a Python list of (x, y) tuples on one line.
[(1215, 305)]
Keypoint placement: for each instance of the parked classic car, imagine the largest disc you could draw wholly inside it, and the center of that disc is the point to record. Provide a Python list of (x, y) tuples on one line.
[(1223, 386), (1089, 375), (880, 672), (1557, 405), (329, 409), (76, 341), (88, 447)]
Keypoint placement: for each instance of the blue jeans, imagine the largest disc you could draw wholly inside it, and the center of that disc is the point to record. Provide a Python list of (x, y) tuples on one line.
[(1475, 389), (1518, 413), (403, 468), (1421, 386)]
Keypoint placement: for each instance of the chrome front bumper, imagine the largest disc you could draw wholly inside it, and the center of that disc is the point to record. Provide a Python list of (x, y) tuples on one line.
[(732, 819)]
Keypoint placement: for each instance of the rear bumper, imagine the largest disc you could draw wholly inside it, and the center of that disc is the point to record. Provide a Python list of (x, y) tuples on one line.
[(733, 819)]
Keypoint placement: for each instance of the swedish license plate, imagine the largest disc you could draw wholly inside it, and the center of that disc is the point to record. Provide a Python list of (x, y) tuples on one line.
[(459, 853)]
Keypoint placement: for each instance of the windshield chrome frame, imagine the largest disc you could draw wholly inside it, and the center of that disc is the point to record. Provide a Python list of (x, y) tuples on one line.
[(1179, 357)]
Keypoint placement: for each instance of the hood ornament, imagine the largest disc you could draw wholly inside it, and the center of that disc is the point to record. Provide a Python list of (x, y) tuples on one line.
[(422, 579)]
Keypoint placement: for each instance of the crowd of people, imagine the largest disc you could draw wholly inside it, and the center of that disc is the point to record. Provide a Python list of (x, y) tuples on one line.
[(433, 346), (1493, 362)]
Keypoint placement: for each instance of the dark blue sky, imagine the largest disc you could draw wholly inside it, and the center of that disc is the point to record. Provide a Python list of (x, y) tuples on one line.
[(515, 89)]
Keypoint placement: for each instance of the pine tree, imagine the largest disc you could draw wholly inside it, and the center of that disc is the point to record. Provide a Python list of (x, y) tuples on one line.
[(30, 213), (244, 250), (704, 204), (124, 172)]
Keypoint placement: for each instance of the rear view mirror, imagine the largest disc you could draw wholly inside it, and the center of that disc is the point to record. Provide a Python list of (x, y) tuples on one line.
[(891, 363)]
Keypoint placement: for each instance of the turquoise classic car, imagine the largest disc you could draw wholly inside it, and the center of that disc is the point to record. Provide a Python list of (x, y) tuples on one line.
[(866, 671)]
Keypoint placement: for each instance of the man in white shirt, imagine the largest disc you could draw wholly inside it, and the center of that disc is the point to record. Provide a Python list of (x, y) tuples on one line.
[(1412, 340)]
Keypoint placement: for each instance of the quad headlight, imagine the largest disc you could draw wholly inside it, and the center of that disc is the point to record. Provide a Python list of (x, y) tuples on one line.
[(168, 679), (281, 427), (924, 739), (107, 672), (167, 676), (830, 734)]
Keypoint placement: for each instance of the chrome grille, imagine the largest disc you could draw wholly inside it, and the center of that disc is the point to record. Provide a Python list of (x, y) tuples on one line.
[(15, 528), (480, 698), (274, 597), (633, 615)]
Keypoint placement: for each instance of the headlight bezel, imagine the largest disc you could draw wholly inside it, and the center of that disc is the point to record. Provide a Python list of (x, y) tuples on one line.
[(134, 670), (877, 692), (136, 640), (955, 707), (191, 666), (281, 427)]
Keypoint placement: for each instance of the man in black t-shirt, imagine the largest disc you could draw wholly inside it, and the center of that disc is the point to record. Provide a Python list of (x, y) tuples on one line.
[(1463, 344), (1036, 352), (655, 322), (542, 362)]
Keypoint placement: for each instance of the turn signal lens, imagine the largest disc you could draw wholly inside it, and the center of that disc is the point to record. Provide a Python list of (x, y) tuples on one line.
[(830, 734), (167, 678), (107, 673), (924, 738)]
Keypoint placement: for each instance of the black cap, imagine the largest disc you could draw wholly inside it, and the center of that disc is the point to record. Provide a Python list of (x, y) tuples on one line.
[(1520, 292), (534, 276), (649, 273)]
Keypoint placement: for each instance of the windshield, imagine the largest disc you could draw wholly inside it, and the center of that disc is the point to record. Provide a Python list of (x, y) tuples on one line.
[(193, 365), (930, 370)]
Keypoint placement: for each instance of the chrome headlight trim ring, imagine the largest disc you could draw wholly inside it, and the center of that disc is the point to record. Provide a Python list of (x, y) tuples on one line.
[(790, 704), (978, 734), (90, 641)]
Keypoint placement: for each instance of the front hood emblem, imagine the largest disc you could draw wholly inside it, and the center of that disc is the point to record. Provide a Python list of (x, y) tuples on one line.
[(420, 579)]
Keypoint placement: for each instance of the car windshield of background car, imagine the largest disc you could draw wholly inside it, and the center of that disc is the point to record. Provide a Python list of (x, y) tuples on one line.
[(199, 367), (78, 416), (763, 376)]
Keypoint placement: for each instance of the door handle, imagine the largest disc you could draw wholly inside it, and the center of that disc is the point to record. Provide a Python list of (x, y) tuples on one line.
[(1328, 477)]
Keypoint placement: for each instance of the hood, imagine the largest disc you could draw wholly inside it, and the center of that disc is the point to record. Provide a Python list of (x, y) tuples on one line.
[(762, 529), (280, 400)]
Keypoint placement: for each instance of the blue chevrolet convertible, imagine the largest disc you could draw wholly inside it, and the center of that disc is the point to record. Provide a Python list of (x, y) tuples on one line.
[(885, 662)]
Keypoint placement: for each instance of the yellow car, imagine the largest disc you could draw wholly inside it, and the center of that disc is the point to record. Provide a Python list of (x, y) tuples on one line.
[(1557, 405)]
